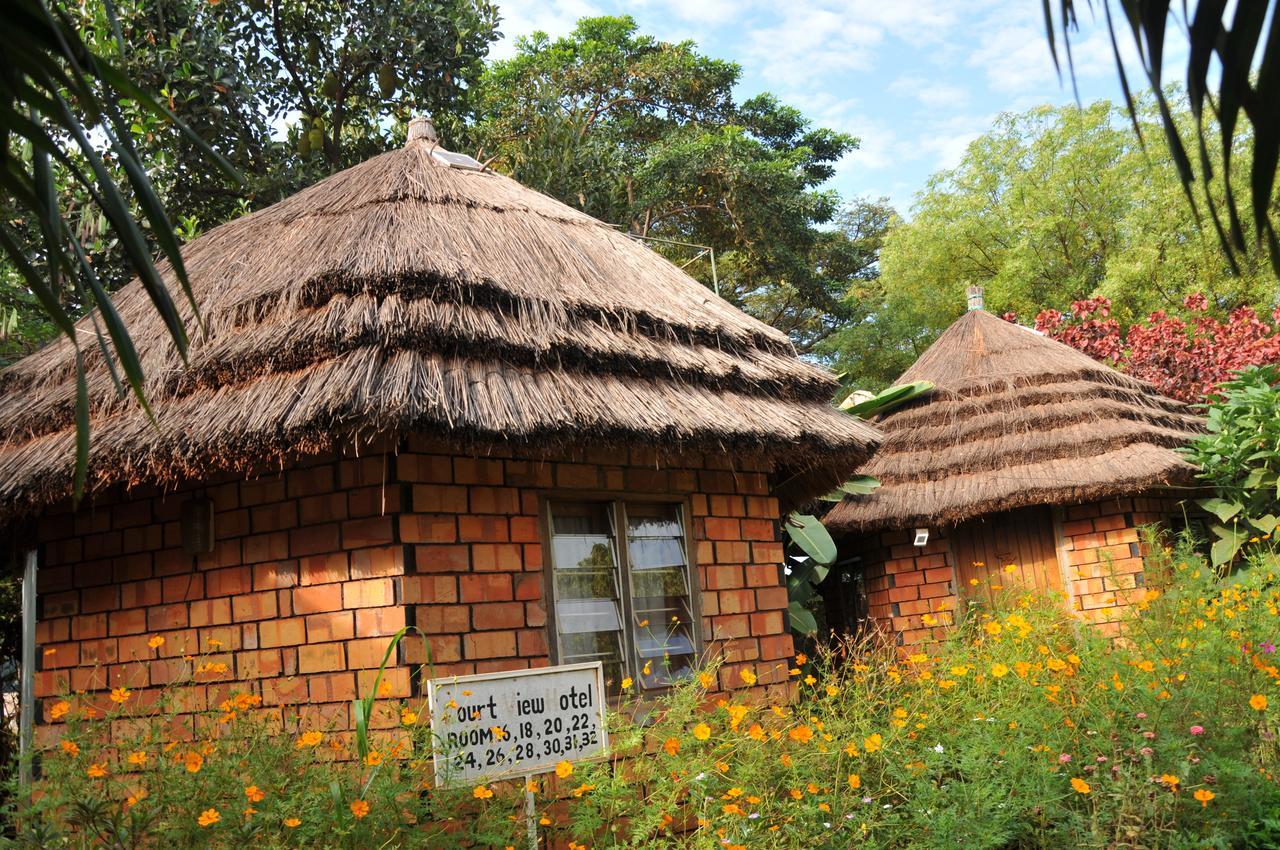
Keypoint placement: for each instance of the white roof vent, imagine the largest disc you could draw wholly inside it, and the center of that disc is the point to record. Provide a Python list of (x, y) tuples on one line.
[(423, 129), (456, 160)]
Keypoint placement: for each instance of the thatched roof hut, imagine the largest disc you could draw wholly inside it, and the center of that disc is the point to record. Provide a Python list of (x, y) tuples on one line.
[(1015, 419), (406, 293)]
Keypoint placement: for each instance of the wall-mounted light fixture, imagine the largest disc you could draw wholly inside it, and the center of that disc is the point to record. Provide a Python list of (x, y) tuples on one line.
[(197, 526), (922, 537)]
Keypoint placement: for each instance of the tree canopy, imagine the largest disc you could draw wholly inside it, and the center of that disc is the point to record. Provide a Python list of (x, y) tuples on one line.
[(1051, 206), (648, 135)]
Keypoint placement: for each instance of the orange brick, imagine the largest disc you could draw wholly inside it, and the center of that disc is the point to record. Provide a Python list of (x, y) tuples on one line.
[(362, 533), (373, 622), (494, 587), (370, 593), (322, 628), (369, 652), (446, 559), (429, 528), (321, 658), (275, 575), (228, 582), (489, 644), (377, 562), (437, 498), (722, 528), (444, 619), (332, 687), (318, 598), (426, 589), (210, 612), (162, 617), (310, 541), (267, 547), (488, 529), (287, 632), (254, 606), (505, 557), (489, 616), (470, 470)]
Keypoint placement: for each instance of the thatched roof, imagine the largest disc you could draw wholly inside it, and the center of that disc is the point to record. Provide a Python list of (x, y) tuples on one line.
[(404, 294), (1015, 419)]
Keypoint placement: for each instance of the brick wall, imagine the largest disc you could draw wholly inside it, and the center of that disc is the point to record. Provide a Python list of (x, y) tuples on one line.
[(1102, 547), (1099, 541), (316, 567), (905, 582)]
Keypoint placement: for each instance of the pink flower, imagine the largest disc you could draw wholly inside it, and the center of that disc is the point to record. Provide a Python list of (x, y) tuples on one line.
[(1197, 730), (1147, 751), (1142, 715), (1064, 758), (1149, 735)]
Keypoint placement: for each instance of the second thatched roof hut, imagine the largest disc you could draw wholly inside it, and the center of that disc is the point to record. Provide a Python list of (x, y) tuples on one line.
[(1026, 453)]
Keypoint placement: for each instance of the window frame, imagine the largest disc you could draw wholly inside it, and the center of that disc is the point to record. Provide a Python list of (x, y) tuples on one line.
[(617, 503)]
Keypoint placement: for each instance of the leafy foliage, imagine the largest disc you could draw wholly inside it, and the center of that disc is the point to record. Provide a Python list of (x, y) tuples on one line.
[(1187, 359), (1051, 206), (1017, 730), (1239, 456), (1242, 96), (647, 135)]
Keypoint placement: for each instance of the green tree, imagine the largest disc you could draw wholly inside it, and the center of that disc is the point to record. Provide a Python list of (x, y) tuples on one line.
[(647, 135), (1050, 206), (287, 91)]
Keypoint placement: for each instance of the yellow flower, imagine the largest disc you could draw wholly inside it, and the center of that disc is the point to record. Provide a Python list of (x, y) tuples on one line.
[(71, 748), (809, 680), (1258, 702), (582, 789), (1203, 796), (855, 781), (499, 734), (671, 745), (482, 792), (706, 680), (756, 732), (193, 761), (647, 669), (999, 670), (1170, 781), (138, 758), (310, 739), (1080, 786), (873, 743), (120, 695), (993, 628), (564, 769), (747, 676), (407, 717), (360, 808), (59, 710), (702, 731), (156, 642), (1009, 568), (97, 770), (929, 620), (254, 794), (208, 817), (801, 658), (292, 823), (626, 683), (959, 670)]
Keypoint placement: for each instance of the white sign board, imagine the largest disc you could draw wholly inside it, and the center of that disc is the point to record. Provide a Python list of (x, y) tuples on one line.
[(519, 723)]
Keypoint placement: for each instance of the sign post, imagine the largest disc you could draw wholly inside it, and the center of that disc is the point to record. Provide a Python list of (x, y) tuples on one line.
[(522, 723)]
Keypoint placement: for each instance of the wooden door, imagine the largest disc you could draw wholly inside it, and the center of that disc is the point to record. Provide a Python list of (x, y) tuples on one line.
[(1025, 538)]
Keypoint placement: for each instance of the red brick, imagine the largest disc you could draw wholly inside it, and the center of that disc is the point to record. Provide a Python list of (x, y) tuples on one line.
[(488, 529), (577, 475), (367, 653), (332, 687), (373, 622), (184, 588), (446, 559), (310, 541), (210, 612), (138, 594), (505, 557), (228, 582), (327, 508), (429, 528), (494, 587), (494, 500), (362, 533), (470, 470), (269, 547), (130, 622), (323, 569), (377, 562), (490, 616), (438, 498), (444, 619), (722, 528), (427, 589), (771, 597), (275, 575)]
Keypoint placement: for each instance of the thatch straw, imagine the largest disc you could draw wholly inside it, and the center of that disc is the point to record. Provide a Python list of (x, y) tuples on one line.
[(404, 295), (1015, 419)]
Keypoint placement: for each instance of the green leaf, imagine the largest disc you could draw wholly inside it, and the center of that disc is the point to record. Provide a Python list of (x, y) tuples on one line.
[(812, 536), (887, 400), (1265, 524), (802, 619), (1229, 541), (1220, 508)]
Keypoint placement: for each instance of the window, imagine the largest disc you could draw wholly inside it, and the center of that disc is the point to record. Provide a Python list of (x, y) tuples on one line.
[(623, 598)]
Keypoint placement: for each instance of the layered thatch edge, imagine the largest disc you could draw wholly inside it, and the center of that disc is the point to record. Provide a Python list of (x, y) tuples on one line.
[(1016, 420)]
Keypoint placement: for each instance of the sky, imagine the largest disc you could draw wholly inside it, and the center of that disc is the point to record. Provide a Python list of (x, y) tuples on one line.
[(914, 80)]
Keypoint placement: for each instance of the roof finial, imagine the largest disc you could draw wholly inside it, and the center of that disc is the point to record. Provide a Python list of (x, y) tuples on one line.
[(422, 127), (975, 298)]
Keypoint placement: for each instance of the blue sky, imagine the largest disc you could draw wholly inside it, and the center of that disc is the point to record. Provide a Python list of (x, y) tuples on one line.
[(916, 80)]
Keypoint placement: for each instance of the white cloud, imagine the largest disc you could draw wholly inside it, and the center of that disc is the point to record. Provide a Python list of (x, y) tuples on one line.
[(522, 17), (930, 92)]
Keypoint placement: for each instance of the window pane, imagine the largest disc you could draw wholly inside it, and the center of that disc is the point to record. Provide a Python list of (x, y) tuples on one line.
[(586, 587), (660, 594)]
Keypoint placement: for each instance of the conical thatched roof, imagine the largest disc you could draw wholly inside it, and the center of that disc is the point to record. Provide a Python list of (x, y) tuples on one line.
[(406, 294), (1015, 419)]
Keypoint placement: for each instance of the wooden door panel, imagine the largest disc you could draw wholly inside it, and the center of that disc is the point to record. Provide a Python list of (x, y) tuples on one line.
[(1025, 538)]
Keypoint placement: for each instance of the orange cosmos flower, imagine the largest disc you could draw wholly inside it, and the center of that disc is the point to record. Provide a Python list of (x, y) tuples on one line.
[(360, 808), (1080, 786), (254, 794), (1203, 796), (120, 695), (1258, 702), (292, 823), (193, 760), (671, 745), (156, 642), (208, 817), (97, 770), (71, 748), (564, 769), (309, 739), (482, 792), (702, 731), (59, 710)]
